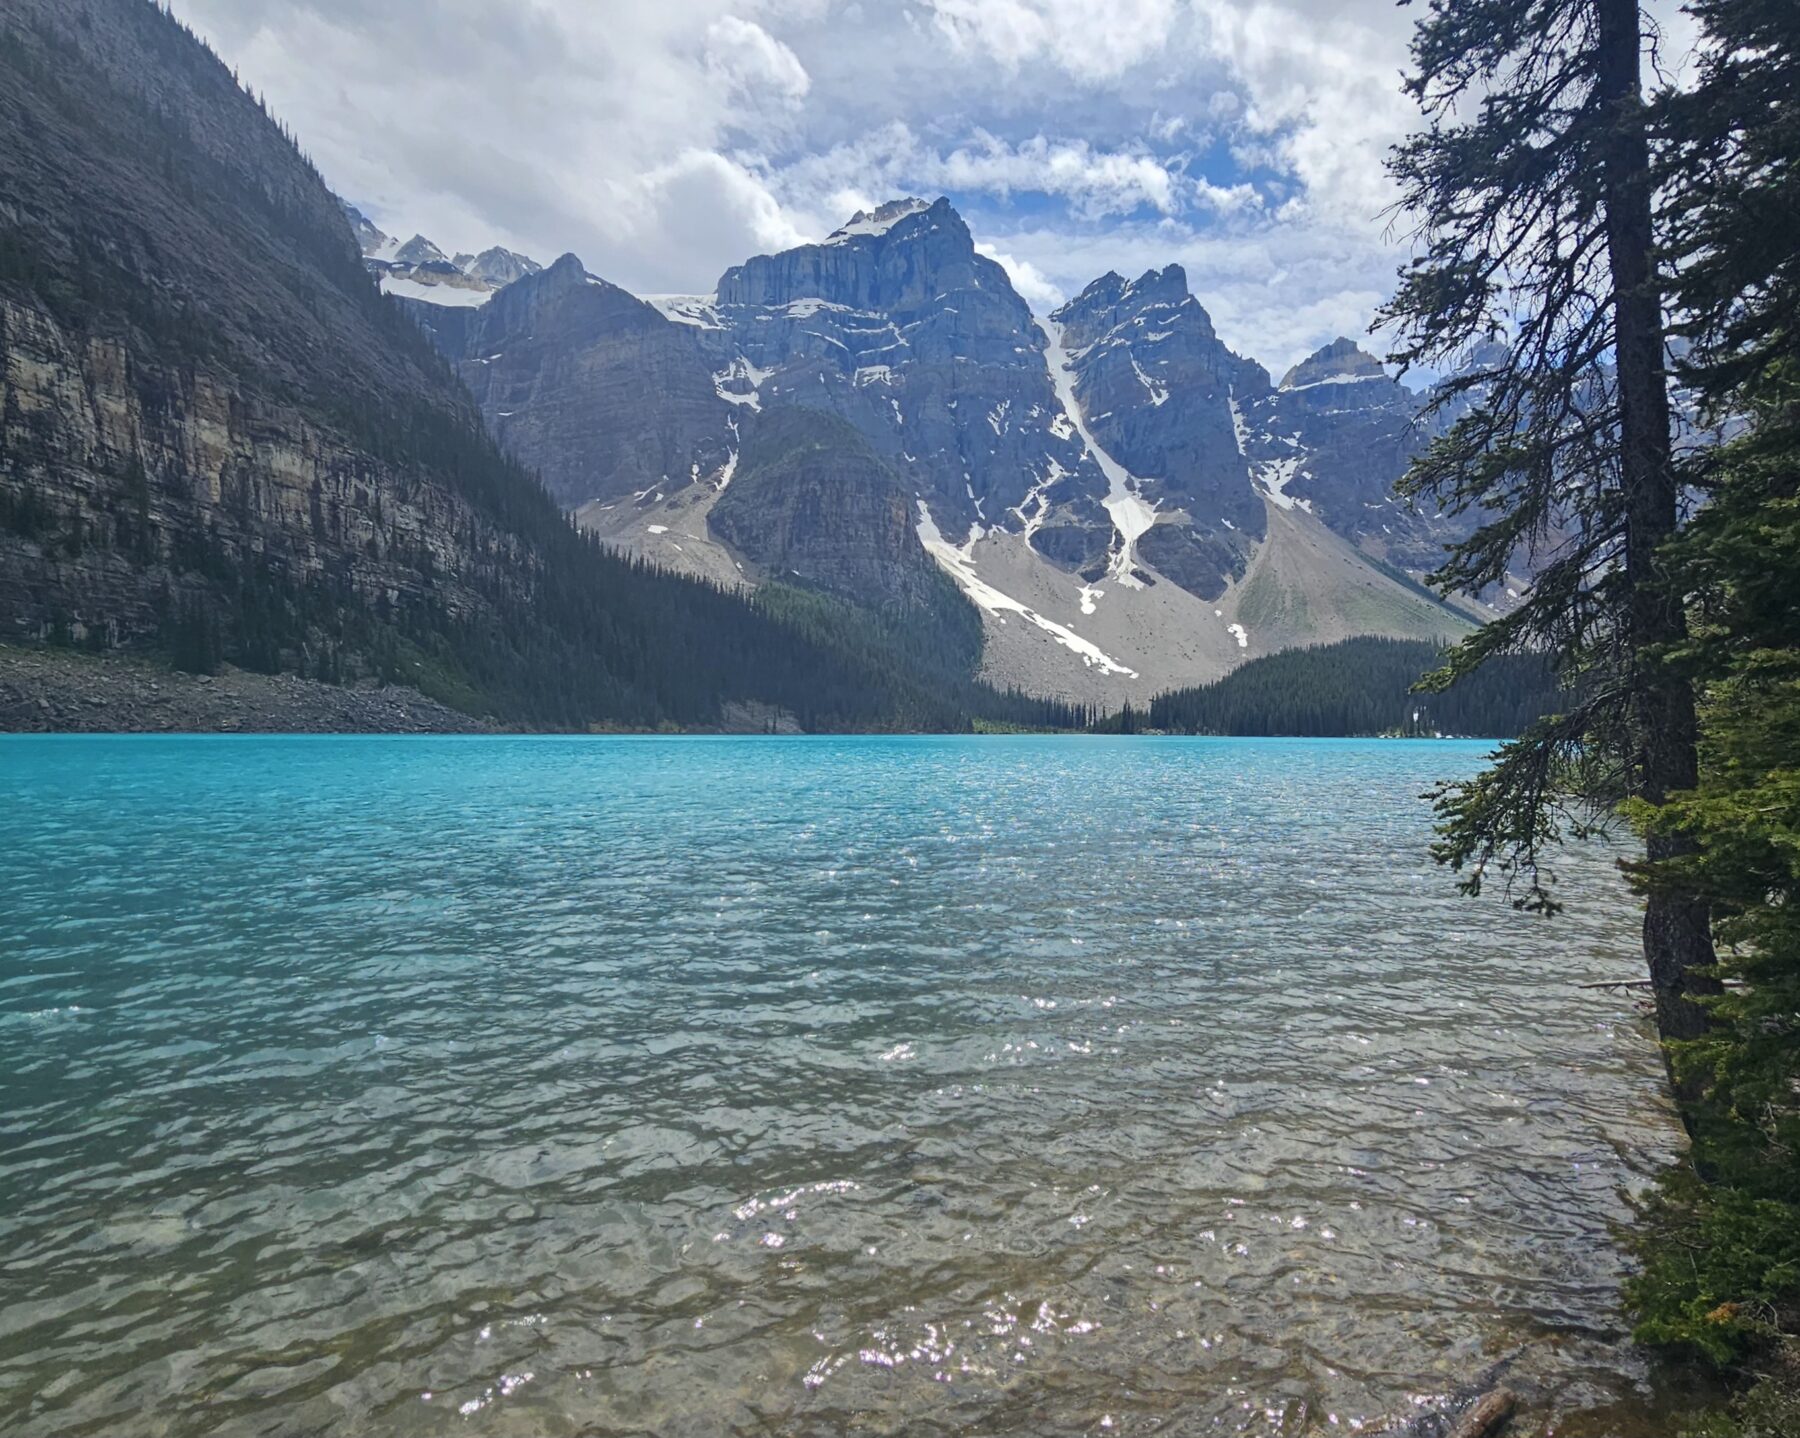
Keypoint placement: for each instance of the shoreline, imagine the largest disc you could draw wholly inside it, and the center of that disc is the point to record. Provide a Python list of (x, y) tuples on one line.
[(47, 690)]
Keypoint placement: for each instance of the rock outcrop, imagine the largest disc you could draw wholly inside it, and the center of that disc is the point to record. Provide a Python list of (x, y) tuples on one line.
[(1159, 391), (219, 442), (1335, 435), (419, 269), (810, 503), (1115, 450), (897, 324), (183, 318), (588, 385)]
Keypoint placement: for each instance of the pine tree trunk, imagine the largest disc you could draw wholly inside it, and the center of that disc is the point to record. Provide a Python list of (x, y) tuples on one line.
[(1677, 933)]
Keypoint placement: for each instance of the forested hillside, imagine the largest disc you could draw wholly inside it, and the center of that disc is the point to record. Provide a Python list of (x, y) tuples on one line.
[(1357, 686), (220, 441)]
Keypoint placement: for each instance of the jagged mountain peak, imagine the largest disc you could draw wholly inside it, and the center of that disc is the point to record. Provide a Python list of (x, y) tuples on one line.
[(497, 266), (566, 267), (567, 299), (420, 251), (903, 255), (1342, 359), (1152, 302), (1165, 286), (883, 218), (1102, 291), (369, 236)]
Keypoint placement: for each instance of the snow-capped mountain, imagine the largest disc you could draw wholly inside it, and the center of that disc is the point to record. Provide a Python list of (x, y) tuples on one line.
[(1130, 503), (418, 269)]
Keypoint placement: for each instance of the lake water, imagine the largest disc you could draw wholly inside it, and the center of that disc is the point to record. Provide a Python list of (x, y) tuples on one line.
[(791, 1086)]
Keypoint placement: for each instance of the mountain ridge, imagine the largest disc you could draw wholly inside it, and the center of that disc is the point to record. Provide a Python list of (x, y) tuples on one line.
[(1046, 449)]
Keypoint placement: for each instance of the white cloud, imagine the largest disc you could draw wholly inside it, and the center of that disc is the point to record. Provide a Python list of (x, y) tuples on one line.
[(1093, 42), (1033, 285), (746, 57), (1094, 183), (663, 140)]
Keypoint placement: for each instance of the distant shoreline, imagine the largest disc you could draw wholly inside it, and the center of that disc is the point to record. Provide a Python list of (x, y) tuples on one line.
[(65, 691)]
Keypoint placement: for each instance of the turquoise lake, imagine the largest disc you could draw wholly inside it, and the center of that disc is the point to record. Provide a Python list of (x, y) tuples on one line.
[(701, 1086)]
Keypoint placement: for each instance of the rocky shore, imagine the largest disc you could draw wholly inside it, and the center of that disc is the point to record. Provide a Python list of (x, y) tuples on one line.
[(60, 691)]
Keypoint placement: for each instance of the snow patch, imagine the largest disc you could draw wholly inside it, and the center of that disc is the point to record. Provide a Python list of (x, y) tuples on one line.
[(740, 371), (1236, 631), (659, 529), (697, 310), (1240, 426), (1273, 479), (1033, 518), (1336, 379), (1131, 516), (959, 564), (876, 222), (1159, 394), (450, 296)]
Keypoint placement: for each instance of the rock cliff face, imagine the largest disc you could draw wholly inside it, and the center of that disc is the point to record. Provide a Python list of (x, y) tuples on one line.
[(219, 442), (588, 385), (1158, 390), (896, 324), (132, 482), (182, 311), (1335, 436), (418, 269), (811, 503)]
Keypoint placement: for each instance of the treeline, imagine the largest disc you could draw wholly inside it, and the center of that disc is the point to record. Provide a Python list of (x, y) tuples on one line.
[(1356, 686)]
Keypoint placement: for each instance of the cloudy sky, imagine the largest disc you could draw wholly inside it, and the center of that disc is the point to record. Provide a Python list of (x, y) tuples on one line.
[(662, 140)]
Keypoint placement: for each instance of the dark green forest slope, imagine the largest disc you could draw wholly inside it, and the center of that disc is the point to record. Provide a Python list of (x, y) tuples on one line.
[(218, 440), (1356, 686)]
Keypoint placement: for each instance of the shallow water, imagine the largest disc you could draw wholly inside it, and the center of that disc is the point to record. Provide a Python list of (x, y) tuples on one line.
[(764, 1086)]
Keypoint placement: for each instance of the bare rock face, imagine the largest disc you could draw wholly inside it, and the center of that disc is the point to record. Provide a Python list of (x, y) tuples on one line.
[(214, 406), (420, 251), (419, 269), (588, 385), (1341, 361), (1159, 391), (811, 504), (145, 478), (1119, 444), (370, 238), (1338, 432), (895, 323), (497, 268)]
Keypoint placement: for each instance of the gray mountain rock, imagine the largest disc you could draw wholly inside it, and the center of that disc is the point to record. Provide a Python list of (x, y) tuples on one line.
[(496, 267), (1116, 463), (1157, 388), (896, 324), (1335, 436), (369, 237), (420, 251), (588, 385), (810, 503)]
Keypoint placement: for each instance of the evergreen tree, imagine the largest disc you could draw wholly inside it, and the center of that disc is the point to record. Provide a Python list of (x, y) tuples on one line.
[(1359, 686), (1533, 192), (1721, 1245)]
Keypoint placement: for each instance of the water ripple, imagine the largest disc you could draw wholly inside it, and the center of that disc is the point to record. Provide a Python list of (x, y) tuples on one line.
[(549, 1087)]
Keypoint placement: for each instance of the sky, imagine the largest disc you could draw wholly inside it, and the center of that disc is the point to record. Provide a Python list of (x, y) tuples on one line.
[(664, 140)]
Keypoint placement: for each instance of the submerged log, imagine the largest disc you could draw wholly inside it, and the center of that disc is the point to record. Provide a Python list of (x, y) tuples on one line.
[(1486, 1416)]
